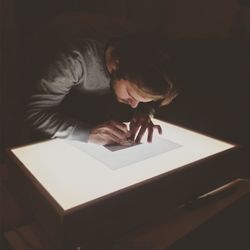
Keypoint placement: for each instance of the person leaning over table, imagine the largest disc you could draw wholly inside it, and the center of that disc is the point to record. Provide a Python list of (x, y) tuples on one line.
[(135, 67)]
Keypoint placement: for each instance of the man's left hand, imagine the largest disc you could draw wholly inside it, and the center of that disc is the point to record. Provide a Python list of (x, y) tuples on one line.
[(139, 124)]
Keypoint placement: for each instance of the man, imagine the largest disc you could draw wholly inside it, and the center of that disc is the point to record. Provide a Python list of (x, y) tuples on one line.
[(135, 67)]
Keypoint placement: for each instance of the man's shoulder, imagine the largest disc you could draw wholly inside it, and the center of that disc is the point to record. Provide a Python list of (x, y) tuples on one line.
[(84, 43), (83, 47)]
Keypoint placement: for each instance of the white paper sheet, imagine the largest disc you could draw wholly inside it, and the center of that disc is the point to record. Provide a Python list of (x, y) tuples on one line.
[(116, 157)]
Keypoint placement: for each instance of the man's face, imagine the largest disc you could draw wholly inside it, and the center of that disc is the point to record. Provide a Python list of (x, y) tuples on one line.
[(127, 92)]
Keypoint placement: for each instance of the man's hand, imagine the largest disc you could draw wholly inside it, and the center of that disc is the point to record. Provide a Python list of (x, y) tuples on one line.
[(111, 132), (142, 122)]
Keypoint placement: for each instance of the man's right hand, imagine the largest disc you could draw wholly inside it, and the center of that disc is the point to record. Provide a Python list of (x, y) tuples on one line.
[(111, 132)]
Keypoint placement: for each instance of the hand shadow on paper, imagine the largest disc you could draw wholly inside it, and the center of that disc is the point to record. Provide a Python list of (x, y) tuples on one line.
[(116, 147)]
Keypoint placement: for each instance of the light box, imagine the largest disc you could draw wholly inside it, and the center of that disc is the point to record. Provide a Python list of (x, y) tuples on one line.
[(73, 176), (74, 173)]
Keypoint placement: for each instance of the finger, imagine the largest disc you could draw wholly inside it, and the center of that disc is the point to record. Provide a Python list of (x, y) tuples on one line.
[(150, 133), (103, 138), (120, 125), (122, 128), (134, 127), (140, 134), (127, 143), (112, 130), (110, 138), (158, 127)]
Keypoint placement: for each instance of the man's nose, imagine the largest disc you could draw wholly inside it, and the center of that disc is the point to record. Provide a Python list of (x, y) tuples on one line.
[(134, 104)]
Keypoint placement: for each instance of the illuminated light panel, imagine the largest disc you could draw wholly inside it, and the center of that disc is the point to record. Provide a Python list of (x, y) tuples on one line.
[(74, 173)]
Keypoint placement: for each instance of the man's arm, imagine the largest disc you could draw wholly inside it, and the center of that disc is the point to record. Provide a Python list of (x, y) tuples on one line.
[(42, 111)]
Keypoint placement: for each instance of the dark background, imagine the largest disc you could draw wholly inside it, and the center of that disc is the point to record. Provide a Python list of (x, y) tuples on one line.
[(210, 46)]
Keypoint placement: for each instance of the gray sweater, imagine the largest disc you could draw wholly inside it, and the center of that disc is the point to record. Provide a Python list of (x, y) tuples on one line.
[(80, 68)]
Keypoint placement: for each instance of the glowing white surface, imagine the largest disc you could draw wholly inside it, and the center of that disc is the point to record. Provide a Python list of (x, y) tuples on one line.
[(115, 159), (73, 177)]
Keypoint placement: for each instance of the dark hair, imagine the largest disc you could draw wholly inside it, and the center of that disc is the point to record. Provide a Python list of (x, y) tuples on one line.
[(144, 60)]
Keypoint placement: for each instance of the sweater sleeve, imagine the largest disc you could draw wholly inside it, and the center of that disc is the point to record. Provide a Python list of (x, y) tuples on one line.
[(42, 113)]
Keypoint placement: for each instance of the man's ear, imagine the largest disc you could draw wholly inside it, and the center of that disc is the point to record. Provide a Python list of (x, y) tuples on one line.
[(111, 61), (116, 64)]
